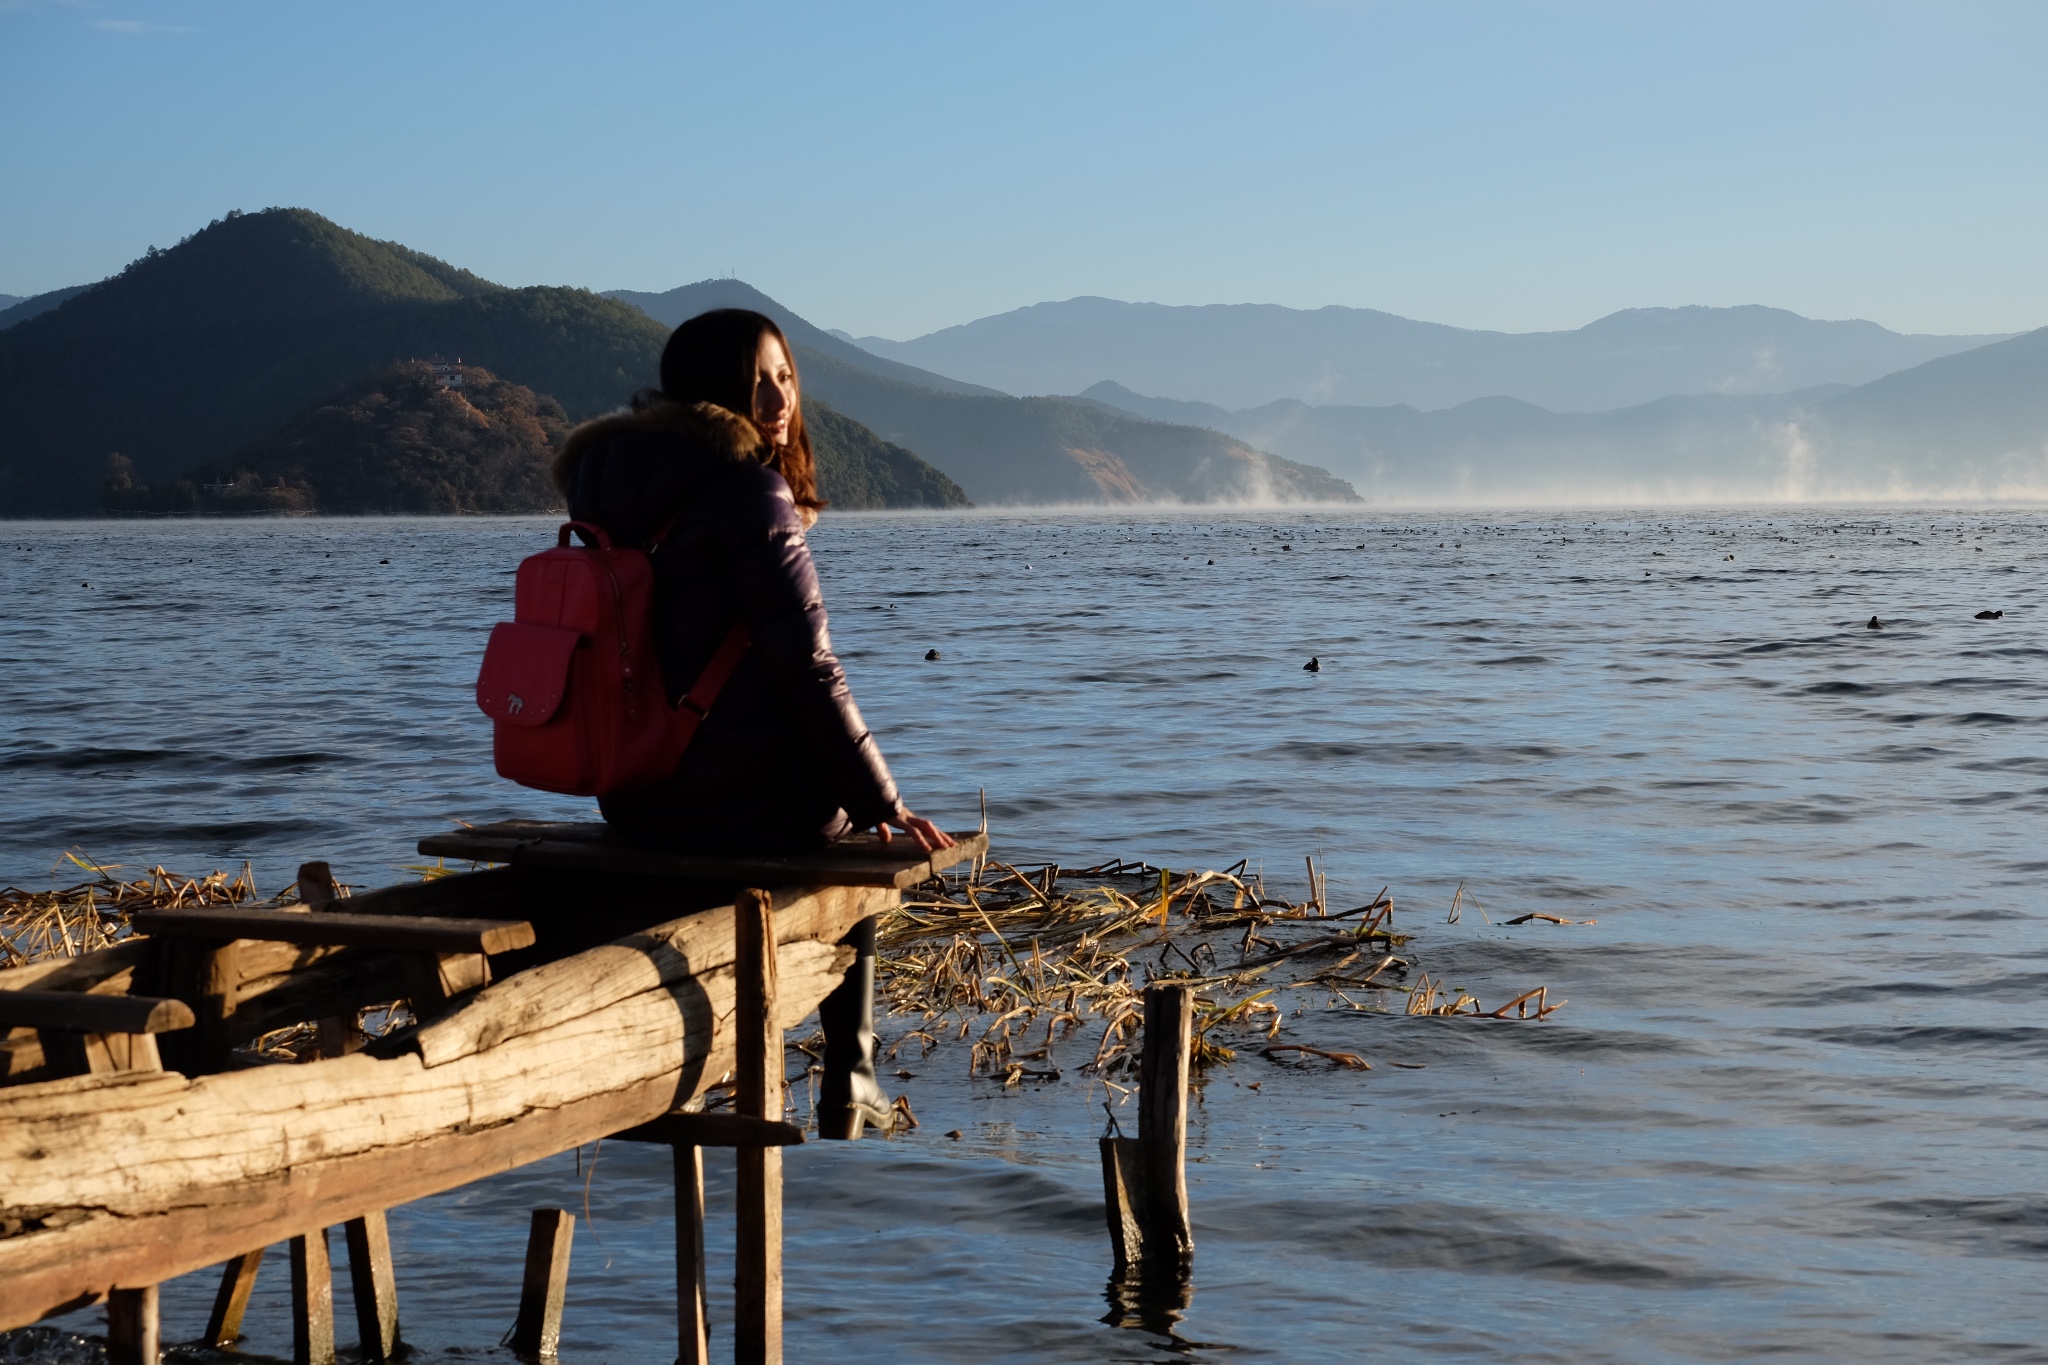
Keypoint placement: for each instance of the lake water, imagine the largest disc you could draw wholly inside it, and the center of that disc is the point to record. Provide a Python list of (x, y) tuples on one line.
[(1794, 1106)]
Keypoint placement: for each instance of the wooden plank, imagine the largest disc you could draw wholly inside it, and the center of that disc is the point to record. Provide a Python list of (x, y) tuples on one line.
[(531, 844), (664, 955), (109, 970), (134, 1336), (537, 1334), (1163, 1122), (693, 1314), (398, 933), (213, 1166), (757, 1077), (715, 1130), (373, 1285), (106, 1052), (237, 1279), (454, 894), (82, 1013), (312, 1300)]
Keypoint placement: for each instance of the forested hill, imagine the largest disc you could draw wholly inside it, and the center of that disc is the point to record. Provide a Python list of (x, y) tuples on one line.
[(195, 353), (399, 441), (191, 353), (404, 441)]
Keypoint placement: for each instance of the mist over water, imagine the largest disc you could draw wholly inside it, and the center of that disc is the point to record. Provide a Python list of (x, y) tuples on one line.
[(1792, 1108)]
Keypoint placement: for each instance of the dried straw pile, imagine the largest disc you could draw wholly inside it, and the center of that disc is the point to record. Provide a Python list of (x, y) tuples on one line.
[(94, 913), (990, 955)]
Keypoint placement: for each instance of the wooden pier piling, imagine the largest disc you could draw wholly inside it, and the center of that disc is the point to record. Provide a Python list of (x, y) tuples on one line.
[(757, 1282), (538, 1333), (237, 1279), (1144, 1179), (312, 1300), (133, 1334), (374, 1285), (693, 1318)]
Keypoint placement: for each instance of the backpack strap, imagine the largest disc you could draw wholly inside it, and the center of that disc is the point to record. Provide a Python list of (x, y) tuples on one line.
[(690, 712)]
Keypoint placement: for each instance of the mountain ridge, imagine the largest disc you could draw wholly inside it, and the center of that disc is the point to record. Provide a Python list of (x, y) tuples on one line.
[(1242, 355), (1969, 425)]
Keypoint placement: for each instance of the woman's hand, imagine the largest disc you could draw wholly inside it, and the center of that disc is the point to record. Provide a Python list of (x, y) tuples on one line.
[(928, 835)]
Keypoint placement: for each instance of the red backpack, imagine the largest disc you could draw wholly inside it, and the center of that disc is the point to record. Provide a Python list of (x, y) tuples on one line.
[(572, 683)]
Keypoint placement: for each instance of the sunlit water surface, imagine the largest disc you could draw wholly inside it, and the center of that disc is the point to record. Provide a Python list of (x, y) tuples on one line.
[(1793, 1108)]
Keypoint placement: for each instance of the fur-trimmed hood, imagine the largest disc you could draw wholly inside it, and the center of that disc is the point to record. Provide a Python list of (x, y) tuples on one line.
[(705, 428)]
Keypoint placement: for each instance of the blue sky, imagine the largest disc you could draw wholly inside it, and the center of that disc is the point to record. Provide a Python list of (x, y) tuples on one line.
[(893, 168)]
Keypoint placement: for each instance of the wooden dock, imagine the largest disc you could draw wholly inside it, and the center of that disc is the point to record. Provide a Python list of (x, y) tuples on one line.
[(582, 989)]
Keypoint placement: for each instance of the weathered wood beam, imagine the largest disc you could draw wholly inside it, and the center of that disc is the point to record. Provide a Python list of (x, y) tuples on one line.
[(533, 843), (661, 956), (216, 1165), (82, 1013), (109, 969), (395, 933)]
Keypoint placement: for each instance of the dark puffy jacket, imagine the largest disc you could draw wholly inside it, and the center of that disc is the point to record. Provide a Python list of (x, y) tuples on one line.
[(784, 750)]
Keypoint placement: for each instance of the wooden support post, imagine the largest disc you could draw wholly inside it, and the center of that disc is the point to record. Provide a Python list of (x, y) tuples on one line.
[(206, 975), (237, 1278), (373, 1284), (1163, 1120), (693, 1319), (336, 1035), (538, 1333), (757, 1056), (1123, 1201), (317, 885), (434, 979), (132, 1331), (312, 1300)]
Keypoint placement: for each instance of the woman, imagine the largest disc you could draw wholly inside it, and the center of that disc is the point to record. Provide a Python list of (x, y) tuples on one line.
[(714, 473)]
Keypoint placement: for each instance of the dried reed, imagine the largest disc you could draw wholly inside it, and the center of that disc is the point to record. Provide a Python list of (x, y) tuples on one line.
[(1013, 961), (91, 914)]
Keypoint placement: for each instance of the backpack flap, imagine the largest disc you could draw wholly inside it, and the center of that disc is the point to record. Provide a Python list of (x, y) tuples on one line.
[(525, 672)]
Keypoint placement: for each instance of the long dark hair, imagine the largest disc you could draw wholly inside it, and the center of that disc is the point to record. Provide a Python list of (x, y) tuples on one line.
[(711, 358)]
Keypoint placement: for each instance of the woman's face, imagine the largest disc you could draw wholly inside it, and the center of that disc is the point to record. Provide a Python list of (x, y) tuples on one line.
[(774, 390)]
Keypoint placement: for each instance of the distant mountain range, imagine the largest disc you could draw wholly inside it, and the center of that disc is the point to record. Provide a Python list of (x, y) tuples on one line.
[(1243, 355), (193, 354), (1030, 451), (1971, 425), (208, 355)]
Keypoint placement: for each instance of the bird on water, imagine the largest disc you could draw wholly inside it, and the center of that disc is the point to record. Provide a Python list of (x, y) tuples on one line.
[(1314, 665), (1990, 616), (1873, 624), (931, 656)]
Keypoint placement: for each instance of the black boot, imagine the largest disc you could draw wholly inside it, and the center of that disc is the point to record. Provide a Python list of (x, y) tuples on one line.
[(849, 1094)]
